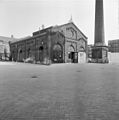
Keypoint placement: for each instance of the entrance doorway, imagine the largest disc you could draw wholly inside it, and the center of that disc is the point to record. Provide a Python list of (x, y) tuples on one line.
[(20, 56), (40, 54), (73, 56)]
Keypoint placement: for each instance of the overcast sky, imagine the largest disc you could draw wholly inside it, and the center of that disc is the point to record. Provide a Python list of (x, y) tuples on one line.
[(22, 17)]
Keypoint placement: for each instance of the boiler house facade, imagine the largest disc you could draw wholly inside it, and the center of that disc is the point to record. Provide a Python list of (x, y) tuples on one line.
[(55, 44)]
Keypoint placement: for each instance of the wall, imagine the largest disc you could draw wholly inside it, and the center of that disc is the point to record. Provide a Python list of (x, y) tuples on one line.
[(113, 57), (69, 43), (57, 38), (34, 47), (73, 37), (41, 45)]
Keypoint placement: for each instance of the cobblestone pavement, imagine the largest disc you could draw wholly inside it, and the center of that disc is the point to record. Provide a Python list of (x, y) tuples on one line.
[(59, 92)]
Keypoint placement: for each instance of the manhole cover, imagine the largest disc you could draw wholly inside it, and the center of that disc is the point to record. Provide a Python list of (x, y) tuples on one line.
[(34, 76), (78, 71)]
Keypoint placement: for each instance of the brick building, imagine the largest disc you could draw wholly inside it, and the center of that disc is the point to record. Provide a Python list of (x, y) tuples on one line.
[(55, 44)]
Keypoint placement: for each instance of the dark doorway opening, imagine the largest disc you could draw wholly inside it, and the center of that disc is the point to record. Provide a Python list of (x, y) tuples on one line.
[(29, 53), (73, 56), (20, 56), (41, 49)]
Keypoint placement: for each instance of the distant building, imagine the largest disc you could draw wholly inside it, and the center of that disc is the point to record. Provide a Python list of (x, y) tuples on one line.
[(113, 47), (4, 47), (55, 44)]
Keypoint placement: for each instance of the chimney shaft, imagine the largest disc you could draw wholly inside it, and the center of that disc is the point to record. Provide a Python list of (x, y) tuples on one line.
[(99, 24)]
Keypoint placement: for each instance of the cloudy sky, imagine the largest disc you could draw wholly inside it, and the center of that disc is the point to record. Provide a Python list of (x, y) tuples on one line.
[(22, 17)]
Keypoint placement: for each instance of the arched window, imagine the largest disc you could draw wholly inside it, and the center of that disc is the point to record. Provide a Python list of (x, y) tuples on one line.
[(57, 47), (40, 48), (20, 51), (13, 55), (20, 54), (40, 53), (29, 52), (57, 53), (71, 48)]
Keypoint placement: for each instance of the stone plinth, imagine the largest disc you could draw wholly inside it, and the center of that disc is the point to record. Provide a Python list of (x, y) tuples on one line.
[(100, 54)]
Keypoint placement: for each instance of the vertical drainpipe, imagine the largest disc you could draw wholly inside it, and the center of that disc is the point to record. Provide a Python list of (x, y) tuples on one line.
[(10, 49), (49, 47), (86, 46), (77, 50), (17, 53), (18, 56), (35, 50), (24, 49), (64, 49)]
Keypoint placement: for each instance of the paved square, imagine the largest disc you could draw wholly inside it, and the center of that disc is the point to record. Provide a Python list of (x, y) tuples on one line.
[(59, 92)]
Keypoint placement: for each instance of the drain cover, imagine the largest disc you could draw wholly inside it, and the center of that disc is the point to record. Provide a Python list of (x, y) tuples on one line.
[(34, 76), (78, 71)]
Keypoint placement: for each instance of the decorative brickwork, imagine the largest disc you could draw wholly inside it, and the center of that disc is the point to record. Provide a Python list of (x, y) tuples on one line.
[(41, 47)]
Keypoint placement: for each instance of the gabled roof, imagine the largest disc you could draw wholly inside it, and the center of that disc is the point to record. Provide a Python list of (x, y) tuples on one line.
[(12, 40), (20, 39), (74, 25), (42, 31)]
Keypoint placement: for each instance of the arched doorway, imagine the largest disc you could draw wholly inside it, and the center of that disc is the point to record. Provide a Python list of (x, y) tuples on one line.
[(72, 55), (40, 53), (57, 53), (20, 55), (71, 48), (28, 53), (13, 56)]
